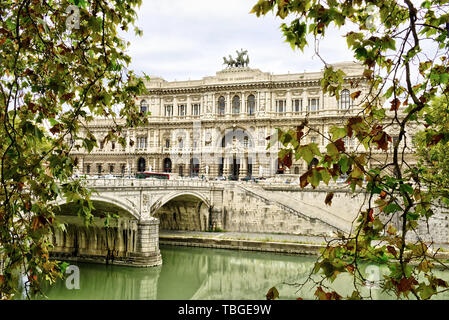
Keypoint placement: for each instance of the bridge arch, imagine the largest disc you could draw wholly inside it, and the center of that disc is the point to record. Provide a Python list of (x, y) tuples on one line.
[(103, 204), (183, 210), (179, 194)]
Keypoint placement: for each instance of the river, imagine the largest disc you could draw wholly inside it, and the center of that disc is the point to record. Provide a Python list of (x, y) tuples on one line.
[(201, 273)]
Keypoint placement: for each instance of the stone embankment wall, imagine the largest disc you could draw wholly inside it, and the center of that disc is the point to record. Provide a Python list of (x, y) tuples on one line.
[(245, 211), (435, 229)]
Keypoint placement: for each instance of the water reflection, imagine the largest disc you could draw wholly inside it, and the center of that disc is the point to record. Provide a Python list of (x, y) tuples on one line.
[(199, 273)]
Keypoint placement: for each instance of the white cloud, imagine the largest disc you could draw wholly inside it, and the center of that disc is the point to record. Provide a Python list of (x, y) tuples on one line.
[(187, 39)]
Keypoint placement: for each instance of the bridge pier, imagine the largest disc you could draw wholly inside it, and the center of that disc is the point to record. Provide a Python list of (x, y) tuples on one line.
[(216, 219), (147, 252)]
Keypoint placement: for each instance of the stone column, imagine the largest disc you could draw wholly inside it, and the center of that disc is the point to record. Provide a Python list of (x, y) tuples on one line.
[(147, 252), (216, 218), (289, 105), (189, 112), (226, 167), (228, 104), (243, 166)]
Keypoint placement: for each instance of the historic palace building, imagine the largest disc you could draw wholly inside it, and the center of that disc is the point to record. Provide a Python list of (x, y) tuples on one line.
[(217, 126)]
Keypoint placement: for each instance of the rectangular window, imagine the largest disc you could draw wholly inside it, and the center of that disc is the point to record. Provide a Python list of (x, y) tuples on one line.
[(141, 142), (169, 111), (181, 110), (297, 105), (196, 109), (314, 104), (280, 106)]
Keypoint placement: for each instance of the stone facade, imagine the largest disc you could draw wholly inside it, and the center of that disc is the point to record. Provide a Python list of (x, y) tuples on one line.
[(217, 126)]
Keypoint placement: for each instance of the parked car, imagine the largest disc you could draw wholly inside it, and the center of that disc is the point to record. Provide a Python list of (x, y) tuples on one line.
[(220, 178)]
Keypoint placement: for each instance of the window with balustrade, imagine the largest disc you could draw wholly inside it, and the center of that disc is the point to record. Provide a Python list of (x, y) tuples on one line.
[(141, 142), (281, 106), (314, 104), (221, 106), (345, 99), (236, 105), (181, 110), (297, 105), (169, 111), (251, 104), (196, 109)]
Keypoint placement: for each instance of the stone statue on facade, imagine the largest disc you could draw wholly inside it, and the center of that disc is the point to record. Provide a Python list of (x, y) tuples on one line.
[(242, 60)]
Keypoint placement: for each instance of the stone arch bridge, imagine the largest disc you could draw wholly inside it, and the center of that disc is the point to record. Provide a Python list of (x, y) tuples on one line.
[(144, 206)]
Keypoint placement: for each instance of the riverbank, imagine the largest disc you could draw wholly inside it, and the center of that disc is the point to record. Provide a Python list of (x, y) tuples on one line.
[(265, 242)]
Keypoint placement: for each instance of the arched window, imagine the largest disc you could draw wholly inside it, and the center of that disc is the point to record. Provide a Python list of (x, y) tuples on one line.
[(194, 167), (251, 105), (236, 105), (221, 106), (313, 163), (167, 165), (345, 99), (143, 106), (296, 170), (167, 143), (141, 165)]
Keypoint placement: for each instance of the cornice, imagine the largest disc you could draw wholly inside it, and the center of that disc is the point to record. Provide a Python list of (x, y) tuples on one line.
[(300, 83)]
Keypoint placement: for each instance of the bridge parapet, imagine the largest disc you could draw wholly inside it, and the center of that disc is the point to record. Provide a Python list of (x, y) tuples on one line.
[(148, 183)]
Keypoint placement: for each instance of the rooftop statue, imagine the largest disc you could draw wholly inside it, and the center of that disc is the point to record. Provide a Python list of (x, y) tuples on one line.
[(239, 61)]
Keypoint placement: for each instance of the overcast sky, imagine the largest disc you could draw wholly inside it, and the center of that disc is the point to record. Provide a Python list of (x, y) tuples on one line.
[(188, 39)]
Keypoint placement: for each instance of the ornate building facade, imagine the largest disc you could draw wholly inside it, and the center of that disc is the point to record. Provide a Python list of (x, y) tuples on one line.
[(217, 126)]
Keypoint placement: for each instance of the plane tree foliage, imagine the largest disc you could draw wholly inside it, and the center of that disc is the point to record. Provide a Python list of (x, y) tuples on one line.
[(403, 47), (62, 63)]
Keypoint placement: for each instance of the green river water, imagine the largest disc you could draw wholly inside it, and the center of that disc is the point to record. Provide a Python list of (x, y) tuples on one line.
[(202, 274)]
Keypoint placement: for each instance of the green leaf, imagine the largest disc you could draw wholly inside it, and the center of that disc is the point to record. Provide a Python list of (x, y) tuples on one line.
[(392, 207), (338, 133)]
